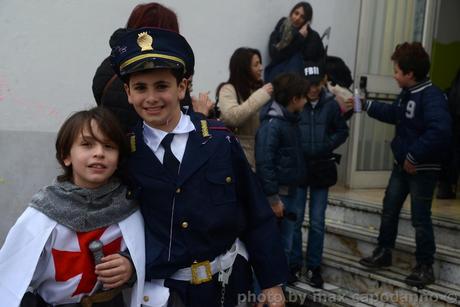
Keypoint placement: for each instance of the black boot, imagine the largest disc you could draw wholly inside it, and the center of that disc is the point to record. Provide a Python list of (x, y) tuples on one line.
[(314, 277), (421, 276), (381, 257)]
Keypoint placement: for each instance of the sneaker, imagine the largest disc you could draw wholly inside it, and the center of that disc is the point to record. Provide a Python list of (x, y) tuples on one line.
[(381, 257), (293, 276), (314, 277), (421, 276)]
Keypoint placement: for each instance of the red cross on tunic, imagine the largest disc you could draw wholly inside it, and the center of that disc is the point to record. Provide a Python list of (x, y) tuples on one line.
[(70, 264)]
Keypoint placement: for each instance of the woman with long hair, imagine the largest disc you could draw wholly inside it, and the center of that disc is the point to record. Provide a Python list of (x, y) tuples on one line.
[(242, 96)]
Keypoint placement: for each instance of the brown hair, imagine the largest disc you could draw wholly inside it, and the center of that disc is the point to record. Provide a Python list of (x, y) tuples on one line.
[(307, 9), (412, 57), (153, 15), (76, 123), (240, 73), (289, 85)]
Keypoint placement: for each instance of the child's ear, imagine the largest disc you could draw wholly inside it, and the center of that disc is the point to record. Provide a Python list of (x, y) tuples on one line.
[(410, 75), (67, 161), (128, 92), (182, 87)]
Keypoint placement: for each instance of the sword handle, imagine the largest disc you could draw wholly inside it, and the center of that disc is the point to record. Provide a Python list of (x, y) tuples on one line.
[(96, 249)]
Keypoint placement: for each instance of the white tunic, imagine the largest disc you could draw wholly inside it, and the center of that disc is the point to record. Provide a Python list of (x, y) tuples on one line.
[(26, 258)]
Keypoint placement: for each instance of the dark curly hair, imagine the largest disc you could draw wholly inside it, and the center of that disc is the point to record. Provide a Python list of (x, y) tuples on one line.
[(412, 57)]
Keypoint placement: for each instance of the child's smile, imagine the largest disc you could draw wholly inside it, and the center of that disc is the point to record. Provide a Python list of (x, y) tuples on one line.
[(93, 158), (155, 96)]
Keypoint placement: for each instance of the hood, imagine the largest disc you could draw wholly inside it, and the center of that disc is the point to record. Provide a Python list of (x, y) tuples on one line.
[(276, 110)]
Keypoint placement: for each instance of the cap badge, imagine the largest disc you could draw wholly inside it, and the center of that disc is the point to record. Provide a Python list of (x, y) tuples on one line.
[(145, 41)]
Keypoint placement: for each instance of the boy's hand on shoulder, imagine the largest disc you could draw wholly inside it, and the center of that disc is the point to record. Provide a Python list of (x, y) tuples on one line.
[(114, 271)]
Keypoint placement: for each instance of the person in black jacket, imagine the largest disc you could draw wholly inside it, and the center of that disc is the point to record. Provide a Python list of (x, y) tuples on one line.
[(279, 161), (423, 136), (322, 130), (294, 35)]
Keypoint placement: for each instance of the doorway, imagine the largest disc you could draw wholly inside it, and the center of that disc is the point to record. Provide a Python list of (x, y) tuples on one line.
[(383, 24)]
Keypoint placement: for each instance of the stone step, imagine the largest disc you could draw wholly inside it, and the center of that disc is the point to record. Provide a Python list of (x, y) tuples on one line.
[(360, 242), (386, 285), (302, 294), (367, 215)]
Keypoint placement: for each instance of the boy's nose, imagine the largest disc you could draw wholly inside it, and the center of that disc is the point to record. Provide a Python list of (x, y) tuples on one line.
[(151, 97), (99, 150)]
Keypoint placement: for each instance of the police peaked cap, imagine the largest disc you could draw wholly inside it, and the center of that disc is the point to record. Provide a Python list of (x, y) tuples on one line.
[(149, 48)]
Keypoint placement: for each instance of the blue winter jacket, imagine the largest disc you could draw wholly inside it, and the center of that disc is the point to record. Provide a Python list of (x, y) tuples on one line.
[(423, 125), (322, 128), (279, 162)]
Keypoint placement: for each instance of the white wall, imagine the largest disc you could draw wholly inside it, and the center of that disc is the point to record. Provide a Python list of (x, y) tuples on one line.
[(51, 48)]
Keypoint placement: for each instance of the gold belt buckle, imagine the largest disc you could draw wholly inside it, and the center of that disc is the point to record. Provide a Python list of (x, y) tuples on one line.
[(198, 269)]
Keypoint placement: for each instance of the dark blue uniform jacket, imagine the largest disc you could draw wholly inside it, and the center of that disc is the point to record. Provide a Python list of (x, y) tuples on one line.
[(423, 125), (197, 214)]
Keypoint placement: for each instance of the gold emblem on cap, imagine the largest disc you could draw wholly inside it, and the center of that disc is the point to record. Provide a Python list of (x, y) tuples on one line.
[(145, 41)]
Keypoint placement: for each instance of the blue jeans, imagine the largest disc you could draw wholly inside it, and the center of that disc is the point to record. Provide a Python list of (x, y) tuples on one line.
[(287, 225), (420, 187), (317, 215)]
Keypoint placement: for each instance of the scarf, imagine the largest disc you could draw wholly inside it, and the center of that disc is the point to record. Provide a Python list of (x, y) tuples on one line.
[(83, 209), (286, 34)]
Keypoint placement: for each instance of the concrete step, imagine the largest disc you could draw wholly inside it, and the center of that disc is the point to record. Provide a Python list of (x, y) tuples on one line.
[(367, 215), (302, 294), (387, 285), (360, 242)]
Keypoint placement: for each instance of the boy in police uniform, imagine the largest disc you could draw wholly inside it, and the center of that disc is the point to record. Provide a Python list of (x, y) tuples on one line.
[(206, 217)]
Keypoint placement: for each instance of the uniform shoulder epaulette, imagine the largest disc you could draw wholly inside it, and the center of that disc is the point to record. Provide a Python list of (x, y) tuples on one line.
[(214, 124)]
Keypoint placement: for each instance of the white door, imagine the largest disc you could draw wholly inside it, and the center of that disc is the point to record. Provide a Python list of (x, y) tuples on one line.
[(383, 25)]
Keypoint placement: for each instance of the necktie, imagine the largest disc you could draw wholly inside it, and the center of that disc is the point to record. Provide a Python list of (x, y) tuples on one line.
[(169, 160)]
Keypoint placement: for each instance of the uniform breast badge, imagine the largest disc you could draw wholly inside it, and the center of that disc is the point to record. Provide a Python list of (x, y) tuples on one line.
[(132, 142), (205, 131), (204, 128)]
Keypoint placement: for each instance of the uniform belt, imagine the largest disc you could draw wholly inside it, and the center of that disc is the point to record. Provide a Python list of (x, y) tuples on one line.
[(203, 271)]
